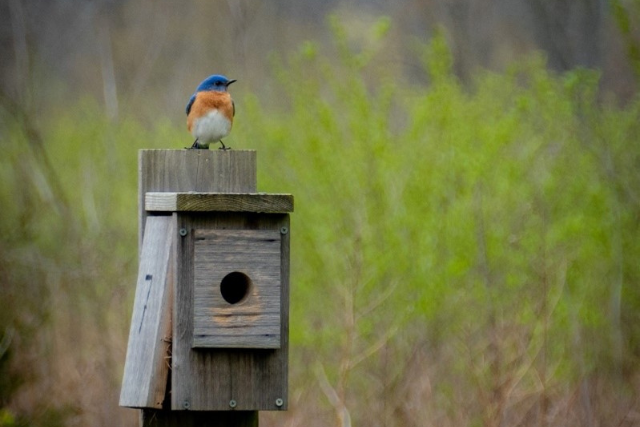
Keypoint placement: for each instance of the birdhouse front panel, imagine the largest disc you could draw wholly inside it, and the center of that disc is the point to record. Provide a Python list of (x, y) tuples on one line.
[(237, 289), (230, 312)]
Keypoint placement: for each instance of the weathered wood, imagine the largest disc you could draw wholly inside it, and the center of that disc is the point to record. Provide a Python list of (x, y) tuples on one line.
[(218, 202), (253, 322), (217, 386), (154, 418), (208, 379), (220, 171), (147, 365)]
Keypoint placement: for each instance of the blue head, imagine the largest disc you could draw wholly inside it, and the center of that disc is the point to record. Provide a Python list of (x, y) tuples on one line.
[(216, 82)]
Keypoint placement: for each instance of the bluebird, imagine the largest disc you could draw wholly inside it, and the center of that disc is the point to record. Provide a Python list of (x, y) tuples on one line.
[(210, 112)]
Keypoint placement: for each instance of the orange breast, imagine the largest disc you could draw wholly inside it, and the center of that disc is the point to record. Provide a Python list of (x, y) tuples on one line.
[(207, 101)]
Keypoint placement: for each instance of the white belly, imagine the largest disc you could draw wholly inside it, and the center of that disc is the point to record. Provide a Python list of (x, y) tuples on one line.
[(211, 128)]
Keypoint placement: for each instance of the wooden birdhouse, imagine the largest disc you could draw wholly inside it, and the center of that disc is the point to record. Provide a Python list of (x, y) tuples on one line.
[(209, 328)]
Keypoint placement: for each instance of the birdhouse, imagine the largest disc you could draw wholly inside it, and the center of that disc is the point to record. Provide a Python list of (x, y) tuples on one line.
[(209, 328)]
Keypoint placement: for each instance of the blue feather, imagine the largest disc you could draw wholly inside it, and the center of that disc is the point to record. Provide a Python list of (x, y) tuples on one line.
[(193, 98)]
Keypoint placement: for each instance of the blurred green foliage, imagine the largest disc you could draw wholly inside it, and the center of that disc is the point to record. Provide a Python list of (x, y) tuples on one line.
[(492, 228)]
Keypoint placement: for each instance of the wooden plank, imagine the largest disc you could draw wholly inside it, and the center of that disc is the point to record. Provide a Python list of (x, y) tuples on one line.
[(155, 418), (242, 340), (208, 379), (219, 171), (218, 202), (147, 365), (254, 256)]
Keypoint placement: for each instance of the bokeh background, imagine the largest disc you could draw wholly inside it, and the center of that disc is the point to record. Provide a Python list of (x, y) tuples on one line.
[(466, 241)]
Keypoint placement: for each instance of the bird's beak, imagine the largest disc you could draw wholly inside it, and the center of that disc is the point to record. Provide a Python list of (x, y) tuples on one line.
[(231, 81)]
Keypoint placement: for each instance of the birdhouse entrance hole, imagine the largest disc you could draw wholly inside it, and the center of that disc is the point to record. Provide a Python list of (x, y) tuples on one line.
[(235, 287)]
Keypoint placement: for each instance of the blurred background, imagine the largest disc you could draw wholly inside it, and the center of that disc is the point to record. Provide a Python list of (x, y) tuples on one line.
[(467, 178)]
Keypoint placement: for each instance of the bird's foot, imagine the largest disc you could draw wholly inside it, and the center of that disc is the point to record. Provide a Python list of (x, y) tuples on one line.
[(224, 147)]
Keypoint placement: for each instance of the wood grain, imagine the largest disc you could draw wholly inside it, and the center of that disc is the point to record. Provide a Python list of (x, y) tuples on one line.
[(253, 322), (205, 380), (218, 202), (147, 366)]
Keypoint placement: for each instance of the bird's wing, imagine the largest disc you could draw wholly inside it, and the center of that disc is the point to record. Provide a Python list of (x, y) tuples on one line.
[(233, 104), (193, 98)]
